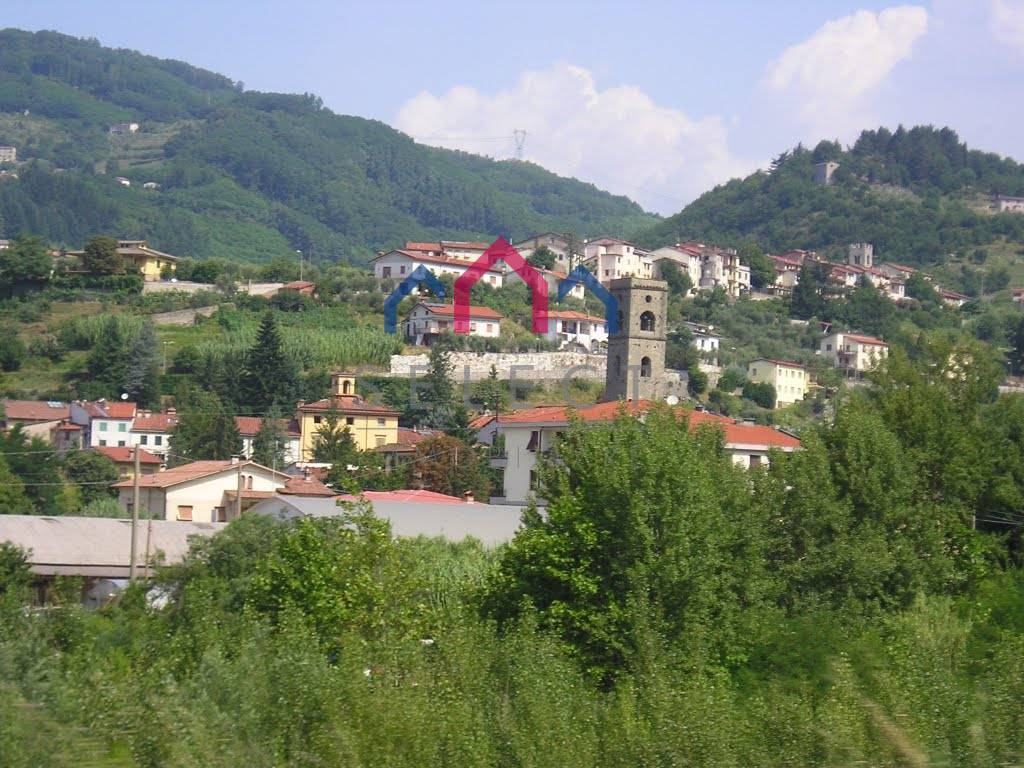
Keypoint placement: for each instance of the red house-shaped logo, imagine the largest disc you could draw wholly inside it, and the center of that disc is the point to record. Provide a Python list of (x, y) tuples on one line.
[(502, 250)]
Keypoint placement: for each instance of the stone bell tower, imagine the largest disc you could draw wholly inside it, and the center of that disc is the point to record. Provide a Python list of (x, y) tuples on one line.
[(636, 352)]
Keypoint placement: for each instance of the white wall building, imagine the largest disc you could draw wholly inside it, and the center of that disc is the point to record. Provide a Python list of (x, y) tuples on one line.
[(248, 426), (611, 258), (685, 257), (853, 352), (152, 431), (8, 154), (203, 491), (426, 322), (791, 380), (399, 264), (531, 433), (105, 423), (569, 327), (1008, 204)]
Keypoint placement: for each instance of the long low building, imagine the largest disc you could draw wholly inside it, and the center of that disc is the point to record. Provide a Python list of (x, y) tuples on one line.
[(533, 431), (97, 547)]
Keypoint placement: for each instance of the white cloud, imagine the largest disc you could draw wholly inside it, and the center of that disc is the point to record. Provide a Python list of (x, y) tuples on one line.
[(1007, 22), (617, 138), (828, 79)]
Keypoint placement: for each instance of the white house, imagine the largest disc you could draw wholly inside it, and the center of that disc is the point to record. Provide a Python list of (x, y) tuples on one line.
[(555, 243), (854, 353), (152, 431), (611, 258), (399, 264), (569, 327), (532, 432), (552, 278), (791, 380), (426, 322), (203, 491), (105, 423), (248, 426), (703, 338), (685, 257), (1008, 204)]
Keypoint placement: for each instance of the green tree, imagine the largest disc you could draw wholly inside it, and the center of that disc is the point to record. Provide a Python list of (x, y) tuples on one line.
[(92, 472), (270, 443), (108, 361), (649, 527), (491, 393), (25, 260), (38, 467), (100, 256), (205, 430), (12, 348), (543, 257), (270, 377), (761, 271), (333, 442), (763, 394), (808, 299), (446, 464), (679, 282), (15, 574), (13, 500), (142, 375)]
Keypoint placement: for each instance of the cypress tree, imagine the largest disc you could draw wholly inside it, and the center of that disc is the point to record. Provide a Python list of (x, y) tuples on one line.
[(269, 377)]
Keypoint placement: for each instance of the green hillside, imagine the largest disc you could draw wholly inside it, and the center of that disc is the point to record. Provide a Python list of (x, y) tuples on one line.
[(247, 175), (919, 195)]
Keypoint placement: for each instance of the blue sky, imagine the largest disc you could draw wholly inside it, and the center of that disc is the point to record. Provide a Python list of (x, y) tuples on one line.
[(656, 100)]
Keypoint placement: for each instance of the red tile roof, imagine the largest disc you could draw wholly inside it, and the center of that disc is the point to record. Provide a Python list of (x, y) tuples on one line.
[(448, 310), (155, 422), (102, 409), (408, 436), (481, 421), (306, 486), (569, 314), (248, 426), (193, 471), (298, 285), (421, 256), (736, 433), (348, 405), (123, 454), (787, 363), (35, 410), (417, 495), (946, 294), (861, 339)]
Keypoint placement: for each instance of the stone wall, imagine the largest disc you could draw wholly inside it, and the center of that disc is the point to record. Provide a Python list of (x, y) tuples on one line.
[(182, 316), (529, 366)]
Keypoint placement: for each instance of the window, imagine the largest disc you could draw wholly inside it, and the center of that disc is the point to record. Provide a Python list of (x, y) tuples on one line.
[(381, 421), (122, 427), (102, 426), (220, 514), (248, 482), (472, 327), (490, 327), (158, 439), (184, 512), (493, 279), (534, 441), (103, 443), (401, 270), (828, 347), (385, 272), (144, 440), (645, 367), (647, 321), (533, 479), (346, 387), (317, 419), (379, 440), (120, 443), (350, 420)]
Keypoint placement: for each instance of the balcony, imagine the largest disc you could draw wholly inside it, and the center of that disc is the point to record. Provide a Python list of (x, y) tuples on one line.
[(498, 462)]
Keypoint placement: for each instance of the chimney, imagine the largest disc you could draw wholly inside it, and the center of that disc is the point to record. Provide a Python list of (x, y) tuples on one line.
[(172, 411), (234, 460), (468, 496)]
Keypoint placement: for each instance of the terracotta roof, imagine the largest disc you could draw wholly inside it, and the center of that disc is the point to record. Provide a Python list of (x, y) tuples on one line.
[(735, 433), (298, 285), (946, 294), (35, 410), (348, 404), (416, 495), (861, 339), (155, 422), (248, 426), (123, 454), (114, 409), (787, 363), (466, 245), (448, 310), (408, 436), (305, 485), (67, 426), (569, 314), (419, 256), (481, 421), (192, 471)]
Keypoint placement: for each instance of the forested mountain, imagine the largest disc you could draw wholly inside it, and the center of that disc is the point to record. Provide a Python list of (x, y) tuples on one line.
[(243, 174), (918, 195)]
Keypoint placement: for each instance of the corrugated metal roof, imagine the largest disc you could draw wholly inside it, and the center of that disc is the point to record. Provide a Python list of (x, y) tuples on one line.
[(96, 546)]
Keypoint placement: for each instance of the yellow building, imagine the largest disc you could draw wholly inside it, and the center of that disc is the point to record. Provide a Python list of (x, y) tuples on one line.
[(149, 261), (371, 425), (791, 380)]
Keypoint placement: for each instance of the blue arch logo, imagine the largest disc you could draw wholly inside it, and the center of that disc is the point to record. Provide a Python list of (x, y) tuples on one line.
[(416, 278), (581, 274)]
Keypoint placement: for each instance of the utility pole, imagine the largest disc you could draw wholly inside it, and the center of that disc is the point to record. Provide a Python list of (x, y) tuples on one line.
[(135, 514), (300, 262)]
